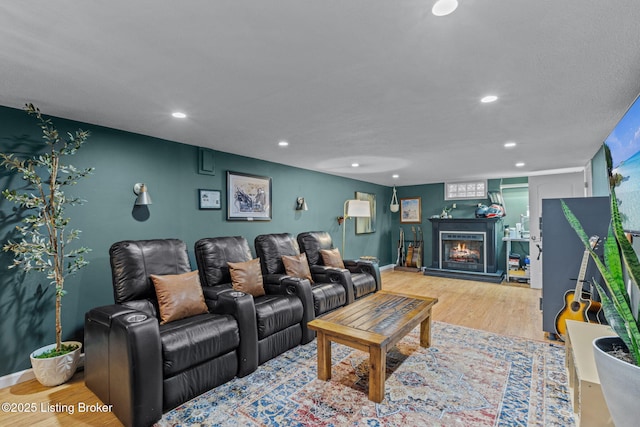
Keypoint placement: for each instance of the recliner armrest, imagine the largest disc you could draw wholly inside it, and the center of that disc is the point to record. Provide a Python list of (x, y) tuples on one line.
[(97, 326), (273, 279), (365, 266), (280, 284), (302, 289), (135, 369), (324, 274), (241, 306)]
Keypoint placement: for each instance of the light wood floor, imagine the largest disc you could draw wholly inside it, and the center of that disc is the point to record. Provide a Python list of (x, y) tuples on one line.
[(503, 309)]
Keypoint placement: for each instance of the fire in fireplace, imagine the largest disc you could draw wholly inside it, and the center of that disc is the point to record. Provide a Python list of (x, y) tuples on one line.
[(463, 251)]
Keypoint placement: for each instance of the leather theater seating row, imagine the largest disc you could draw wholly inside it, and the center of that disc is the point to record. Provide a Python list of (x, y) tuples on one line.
[(174, 333)]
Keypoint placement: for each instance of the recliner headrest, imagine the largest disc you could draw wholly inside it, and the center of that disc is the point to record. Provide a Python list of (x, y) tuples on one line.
[(213, 254), (312, 242), (271, 247), (134, 261)]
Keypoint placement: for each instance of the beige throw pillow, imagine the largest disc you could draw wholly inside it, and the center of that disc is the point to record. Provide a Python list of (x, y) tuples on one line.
[(179, 296), (297, 266), (247, 277), (331, 258)]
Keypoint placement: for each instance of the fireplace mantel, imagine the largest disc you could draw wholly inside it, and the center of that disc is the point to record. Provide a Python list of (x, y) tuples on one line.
[(490, 227), (463, 220)]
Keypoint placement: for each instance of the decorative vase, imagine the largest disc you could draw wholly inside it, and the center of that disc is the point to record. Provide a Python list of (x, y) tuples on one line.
[(619, 380), (56, 370)]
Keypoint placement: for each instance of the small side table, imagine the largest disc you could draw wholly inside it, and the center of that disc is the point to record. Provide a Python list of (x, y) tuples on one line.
[(519, 275)]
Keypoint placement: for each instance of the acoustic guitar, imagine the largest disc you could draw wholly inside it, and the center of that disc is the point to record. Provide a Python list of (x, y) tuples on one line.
[(577, 303), (417, 251), (400, 260), (411, 249)]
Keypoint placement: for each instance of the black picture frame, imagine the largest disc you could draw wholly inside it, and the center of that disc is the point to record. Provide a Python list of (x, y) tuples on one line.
[(209, 199), (248, 197)]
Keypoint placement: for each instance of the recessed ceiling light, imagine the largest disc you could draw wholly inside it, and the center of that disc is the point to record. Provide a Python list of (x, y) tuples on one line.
[(355, 165), (444, 7), (179, 115), (519, 164), (489, 98), (395, 176), (283, 143), (509, 144)]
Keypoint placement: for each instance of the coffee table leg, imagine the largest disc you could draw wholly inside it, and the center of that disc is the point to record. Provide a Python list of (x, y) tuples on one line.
[(425, 332), (324, 356), (377, 371)]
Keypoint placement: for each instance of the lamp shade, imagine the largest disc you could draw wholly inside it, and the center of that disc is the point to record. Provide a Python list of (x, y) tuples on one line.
[(358, 208), (143, 196)]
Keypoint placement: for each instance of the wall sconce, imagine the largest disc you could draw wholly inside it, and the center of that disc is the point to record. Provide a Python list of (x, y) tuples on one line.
[(353, 209), (301, 204), (140, 190)]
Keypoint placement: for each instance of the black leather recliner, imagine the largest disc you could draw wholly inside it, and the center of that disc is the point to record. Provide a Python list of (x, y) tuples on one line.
[(281, 314), (144, 368), (363, 275), (330, 290)]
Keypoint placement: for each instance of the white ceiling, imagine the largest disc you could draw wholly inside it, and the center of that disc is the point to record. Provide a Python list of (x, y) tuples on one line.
[(382, 83)]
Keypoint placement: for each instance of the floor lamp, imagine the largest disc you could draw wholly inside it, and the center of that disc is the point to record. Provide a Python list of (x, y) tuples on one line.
[(354, 209)]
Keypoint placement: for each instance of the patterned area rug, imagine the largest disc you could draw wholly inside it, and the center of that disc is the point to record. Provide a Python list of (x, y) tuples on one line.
[(466, 378)]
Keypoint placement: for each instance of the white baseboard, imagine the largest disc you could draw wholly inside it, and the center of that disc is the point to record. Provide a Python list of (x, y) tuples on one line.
[(386, 267), (26, 375), (16, 378)]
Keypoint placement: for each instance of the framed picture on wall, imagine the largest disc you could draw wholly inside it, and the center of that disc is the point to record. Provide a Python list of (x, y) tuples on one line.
[(410, 210), (209, 199), (248, 197), (366, 225)]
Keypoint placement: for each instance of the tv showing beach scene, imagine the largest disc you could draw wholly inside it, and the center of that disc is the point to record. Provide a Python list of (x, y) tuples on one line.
[(624, 145)]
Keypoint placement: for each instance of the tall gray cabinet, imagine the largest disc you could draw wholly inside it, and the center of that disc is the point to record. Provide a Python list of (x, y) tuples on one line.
[(562, 251)]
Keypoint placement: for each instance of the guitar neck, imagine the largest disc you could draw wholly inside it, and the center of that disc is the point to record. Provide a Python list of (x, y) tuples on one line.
[(583, 272)]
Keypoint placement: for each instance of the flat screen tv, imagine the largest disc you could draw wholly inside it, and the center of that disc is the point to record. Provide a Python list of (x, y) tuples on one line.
[(624, 145)]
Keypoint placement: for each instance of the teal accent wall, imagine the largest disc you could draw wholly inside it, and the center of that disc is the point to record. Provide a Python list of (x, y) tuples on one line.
[(170, 170), (433, 201)]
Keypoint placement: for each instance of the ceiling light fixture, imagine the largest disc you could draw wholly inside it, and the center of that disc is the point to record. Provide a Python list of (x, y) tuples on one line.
[(519, 164), (283, 144), (489, 98), (509, 144), (444, 7), (179, 115), (355, 165), (395, 176)]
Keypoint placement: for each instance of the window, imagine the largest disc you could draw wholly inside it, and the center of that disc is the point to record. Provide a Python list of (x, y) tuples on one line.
[(465, 190)]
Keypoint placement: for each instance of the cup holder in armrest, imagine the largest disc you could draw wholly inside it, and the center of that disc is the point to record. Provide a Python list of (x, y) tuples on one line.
[(137, 318), (236, 294)]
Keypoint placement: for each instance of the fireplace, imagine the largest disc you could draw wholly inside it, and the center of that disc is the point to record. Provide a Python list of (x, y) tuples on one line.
[(465, 246), (463, 251)]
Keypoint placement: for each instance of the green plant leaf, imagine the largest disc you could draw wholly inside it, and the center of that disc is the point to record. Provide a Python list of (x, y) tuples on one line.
[(626, 325)]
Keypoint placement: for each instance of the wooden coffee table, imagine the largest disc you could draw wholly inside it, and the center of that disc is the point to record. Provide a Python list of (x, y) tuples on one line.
[(373, 324)]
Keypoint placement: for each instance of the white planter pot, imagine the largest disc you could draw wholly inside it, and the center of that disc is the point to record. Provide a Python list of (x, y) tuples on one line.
[(620, 382), (55, 370)]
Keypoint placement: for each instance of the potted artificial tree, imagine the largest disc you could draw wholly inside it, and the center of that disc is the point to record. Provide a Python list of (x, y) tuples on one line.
[(45, 233), (617, 358)]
